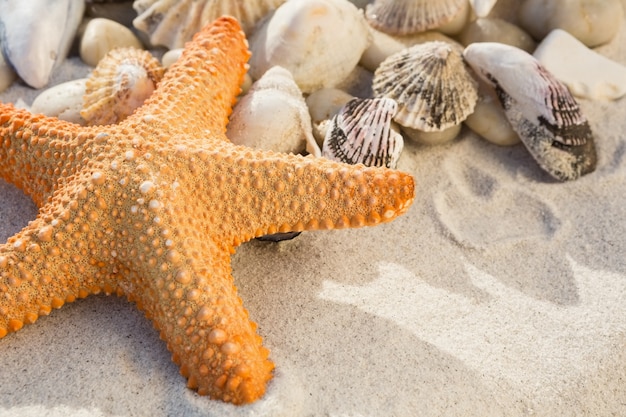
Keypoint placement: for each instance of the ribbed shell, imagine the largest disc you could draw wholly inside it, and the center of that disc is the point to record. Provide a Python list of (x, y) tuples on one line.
[(361, 133), (121, 82), (404, 17), (171, 23), (431, 85)]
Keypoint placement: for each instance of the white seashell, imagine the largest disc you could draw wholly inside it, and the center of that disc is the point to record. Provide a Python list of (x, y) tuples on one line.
[(593, 22), (539, 107), (64, 101), (482, 8), (384, 45), (36, 35), (361, 133), (496, 30), (488, 119), (171, 23), (431, 84), (103, 35), (323, 105), (405, 17), (273, 116), (120, 83), (586, 73), (318, 41)]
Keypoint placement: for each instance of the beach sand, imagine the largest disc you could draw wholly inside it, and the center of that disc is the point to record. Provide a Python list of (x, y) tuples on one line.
[(500, 292)]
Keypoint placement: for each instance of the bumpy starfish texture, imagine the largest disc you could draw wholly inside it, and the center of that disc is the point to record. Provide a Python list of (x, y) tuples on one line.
[(153, 207)]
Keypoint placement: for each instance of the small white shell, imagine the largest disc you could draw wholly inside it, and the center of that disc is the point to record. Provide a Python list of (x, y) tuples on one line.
[(431, 84), (405, 17), (273, 116), (539, 107), (361, 133), (120, 83), (171, 23), (318, 41), (585, 72)]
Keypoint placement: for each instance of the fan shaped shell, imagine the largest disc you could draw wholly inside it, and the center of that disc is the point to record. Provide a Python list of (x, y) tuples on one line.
[(171, 23), (404, 17), (120, 83), (361, 133), (431, 84)]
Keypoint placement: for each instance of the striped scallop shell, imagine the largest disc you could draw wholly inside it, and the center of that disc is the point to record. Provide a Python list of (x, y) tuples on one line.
[(431, 84), (404, 17), (361, 133), (539, 107), (171, 23), (121, 82)]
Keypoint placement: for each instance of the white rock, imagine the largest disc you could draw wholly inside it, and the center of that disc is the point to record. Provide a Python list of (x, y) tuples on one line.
[(496, 30), (7, 74), (585, 72), (63, 101), (101, 36), (482, 7), (489, 120), (36, 35), (170, 57), (593, 22), (323, 105)]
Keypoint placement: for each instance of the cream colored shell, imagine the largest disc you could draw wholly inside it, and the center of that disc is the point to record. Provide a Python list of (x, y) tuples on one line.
[(171, 23), (431, 84), (319, 41), (405, 17), (120, 83)]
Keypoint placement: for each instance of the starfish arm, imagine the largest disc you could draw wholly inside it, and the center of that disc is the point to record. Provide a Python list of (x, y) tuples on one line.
[(253, 193), (34, 149), (200, 87), (50, 262), (194, 305)]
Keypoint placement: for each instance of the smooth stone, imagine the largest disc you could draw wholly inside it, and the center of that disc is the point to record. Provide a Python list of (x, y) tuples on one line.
[(497, 30), (103, 35), (593, 22), (171, 56), (36, 35), (586, 73), (432, 138), (384, 45), (64, 101), (489, 121)]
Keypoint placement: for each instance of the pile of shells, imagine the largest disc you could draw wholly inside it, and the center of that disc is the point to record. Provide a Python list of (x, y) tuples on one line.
[(347, 80)]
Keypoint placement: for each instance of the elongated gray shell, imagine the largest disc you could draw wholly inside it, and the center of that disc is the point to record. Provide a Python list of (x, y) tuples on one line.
[(431, 85), (404, 17), (540, 108), (171, 23), (361, 133)]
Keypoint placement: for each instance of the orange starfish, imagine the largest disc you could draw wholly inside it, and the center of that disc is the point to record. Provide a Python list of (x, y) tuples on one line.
[(153, 207)]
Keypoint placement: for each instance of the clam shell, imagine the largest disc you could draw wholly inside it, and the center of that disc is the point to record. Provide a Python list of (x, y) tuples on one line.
[(273, 116), (431, 85), (539, 107), (405, 17), (171, 23), (120, 83), (361, 133), (319, 41)]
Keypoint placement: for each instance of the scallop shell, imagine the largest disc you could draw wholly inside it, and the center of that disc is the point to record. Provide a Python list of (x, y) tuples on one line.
[(539, 107), (120, 83), (273, 116), (361, 133), (319, 41), (431, 84), (405, 17), (171, 23)]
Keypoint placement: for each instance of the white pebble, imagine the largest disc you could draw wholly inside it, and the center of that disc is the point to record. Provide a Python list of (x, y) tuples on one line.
[(63, 101), (103, 35), (586, 73)]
